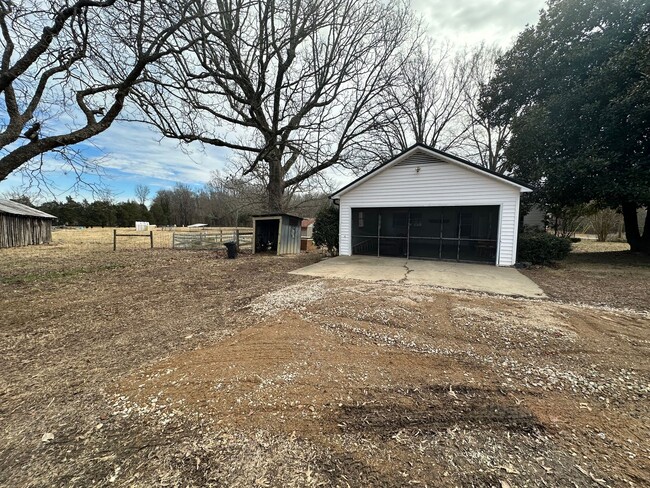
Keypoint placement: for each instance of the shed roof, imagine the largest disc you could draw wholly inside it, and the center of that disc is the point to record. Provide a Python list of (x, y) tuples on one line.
[(436, 154), (261, 216), (14, 208)]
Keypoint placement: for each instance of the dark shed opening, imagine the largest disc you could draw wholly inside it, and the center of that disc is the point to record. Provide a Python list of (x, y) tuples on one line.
[(266, 236), (276, 234)]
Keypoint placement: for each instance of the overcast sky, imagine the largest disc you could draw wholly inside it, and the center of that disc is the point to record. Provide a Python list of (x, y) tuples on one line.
[(135, 155), (474, 21)]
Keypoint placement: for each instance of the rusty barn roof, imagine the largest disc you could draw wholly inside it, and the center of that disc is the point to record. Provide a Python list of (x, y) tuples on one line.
[(13, 208)]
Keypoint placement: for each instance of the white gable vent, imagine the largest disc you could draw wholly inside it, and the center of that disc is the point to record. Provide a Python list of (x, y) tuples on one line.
[(420, 159)]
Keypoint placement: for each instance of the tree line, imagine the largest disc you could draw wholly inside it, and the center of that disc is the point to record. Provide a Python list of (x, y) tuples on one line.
[(222, 202), (295, 88)]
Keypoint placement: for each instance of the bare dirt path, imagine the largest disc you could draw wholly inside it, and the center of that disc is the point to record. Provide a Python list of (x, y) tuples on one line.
[(405, 385), (178, 369)]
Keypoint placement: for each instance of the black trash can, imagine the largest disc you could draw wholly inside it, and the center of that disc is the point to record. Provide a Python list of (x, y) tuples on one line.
[(232, 249)]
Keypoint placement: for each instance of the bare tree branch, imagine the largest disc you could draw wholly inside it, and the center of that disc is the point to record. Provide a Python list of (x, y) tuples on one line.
[(295, 87), (487, 138), (426, 103), (68, 69)]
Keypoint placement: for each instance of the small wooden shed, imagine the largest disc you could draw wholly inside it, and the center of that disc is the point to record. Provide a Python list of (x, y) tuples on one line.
[(276, 234), (21, 225)]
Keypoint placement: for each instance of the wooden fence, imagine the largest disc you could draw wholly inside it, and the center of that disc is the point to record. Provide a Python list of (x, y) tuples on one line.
[(116, 235), (212, 240)]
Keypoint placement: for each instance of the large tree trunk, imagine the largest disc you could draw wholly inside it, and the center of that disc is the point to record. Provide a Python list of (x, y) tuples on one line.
[(275, 186), (637, 242)]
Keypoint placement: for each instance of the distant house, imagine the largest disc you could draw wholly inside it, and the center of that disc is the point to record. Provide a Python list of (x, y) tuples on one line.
[(21, 225), (428, 204), (306, 231), (641, 215), (306, 228)]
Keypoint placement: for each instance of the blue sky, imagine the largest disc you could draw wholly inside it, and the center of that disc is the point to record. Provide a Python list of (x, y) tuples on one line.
[(133, 154)]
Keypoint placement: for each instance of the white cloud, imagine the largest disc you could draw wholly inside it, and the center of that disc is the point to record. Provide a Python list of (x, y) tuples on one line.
[(137, 150), (470, 22), (129, 154)]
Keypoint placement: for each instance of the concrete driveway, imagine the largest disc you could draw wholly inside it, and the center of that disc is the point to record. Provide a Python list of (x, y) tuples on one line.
[(460, 276)]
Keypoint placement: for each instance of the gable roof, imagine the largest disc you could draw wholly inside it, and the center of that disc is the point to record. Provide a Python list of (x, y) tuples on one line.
[(440, 156), (14, 208)]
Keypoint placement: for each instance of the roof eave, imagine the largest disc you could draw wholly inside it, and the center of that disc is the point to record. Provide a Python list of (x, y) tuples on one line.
[(448, 157)]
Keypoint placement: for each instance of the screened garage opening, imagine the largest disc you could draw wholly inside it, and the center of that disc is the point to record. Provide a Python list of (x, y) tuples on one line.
[(443, 233)]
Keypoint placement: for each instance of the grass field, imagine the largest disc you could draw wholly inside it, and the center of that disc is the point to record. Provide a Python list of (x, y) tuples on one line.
[(177, 368), (100, 239)]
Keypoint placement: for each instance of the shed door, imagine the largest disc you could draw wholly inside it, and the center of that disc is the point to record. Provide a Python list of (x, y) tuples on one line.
[(446, 233)]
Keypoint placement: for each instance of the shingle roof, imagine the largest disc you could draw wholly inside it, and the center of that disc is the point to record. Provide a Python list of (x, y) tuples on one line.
[(13, 208)]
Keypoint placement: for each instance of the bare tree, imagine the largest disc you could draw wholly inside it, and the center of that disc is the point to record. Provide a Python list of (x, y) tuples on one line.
[(235, 198), (68, 68), (487, 138), (21, 196), (176, 206), (294, 86), (184, 204), (426, 103), (142, 193)]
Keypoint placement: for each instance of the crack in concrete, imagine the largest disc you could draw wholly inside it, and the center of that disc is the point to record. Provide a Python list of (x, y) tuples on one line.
[(408, 270)]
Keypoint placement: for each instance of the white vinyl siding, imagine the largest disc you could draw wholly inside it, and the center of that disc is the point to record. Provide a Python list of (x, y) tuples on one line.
[(434, 184)]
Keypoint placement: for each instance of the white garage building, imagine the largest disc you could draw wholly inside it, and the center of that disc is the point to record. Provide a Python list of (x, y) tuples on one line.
[(428, 204)]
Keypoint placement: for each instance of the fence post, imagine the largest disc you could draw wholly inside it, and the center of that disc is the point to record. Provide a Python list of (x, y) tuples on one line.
[(173, 240), (114, 239), (237, 238), (151, 237)]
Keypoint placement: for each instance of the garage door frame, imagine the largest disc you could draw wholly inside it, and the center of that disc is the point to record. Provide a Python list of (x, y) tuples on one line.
[(398, 241)]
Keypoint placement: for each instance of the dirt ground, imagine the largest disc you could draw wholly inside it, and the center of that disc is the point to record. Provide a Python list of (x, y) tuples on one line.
[(176, 368), (598, 273)]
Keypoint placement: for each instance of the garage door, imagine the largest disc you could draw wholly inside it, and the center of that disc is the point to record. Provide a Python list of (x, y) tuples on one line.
[(446, 233)]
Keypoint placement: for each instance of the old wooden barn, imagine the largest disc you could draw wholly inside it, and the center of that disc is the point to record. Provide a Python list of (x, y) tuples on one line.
[(21, 225)]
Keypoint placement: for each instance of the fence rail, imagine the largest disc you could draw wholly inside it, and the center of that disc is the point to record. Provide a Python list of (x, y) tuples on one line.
[(211, 240), (149, 236)]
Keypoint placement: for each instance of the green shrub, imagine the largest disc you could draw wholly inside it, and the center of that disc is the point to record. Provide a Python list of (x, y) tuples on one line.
[(326, 229), (542, 248)]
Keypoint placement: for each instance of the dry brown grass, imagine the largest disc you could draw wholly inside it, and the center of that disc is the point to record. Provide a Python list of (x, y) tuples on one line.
[(598, 273), (98, 239), (593, 246), (177, 368)]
